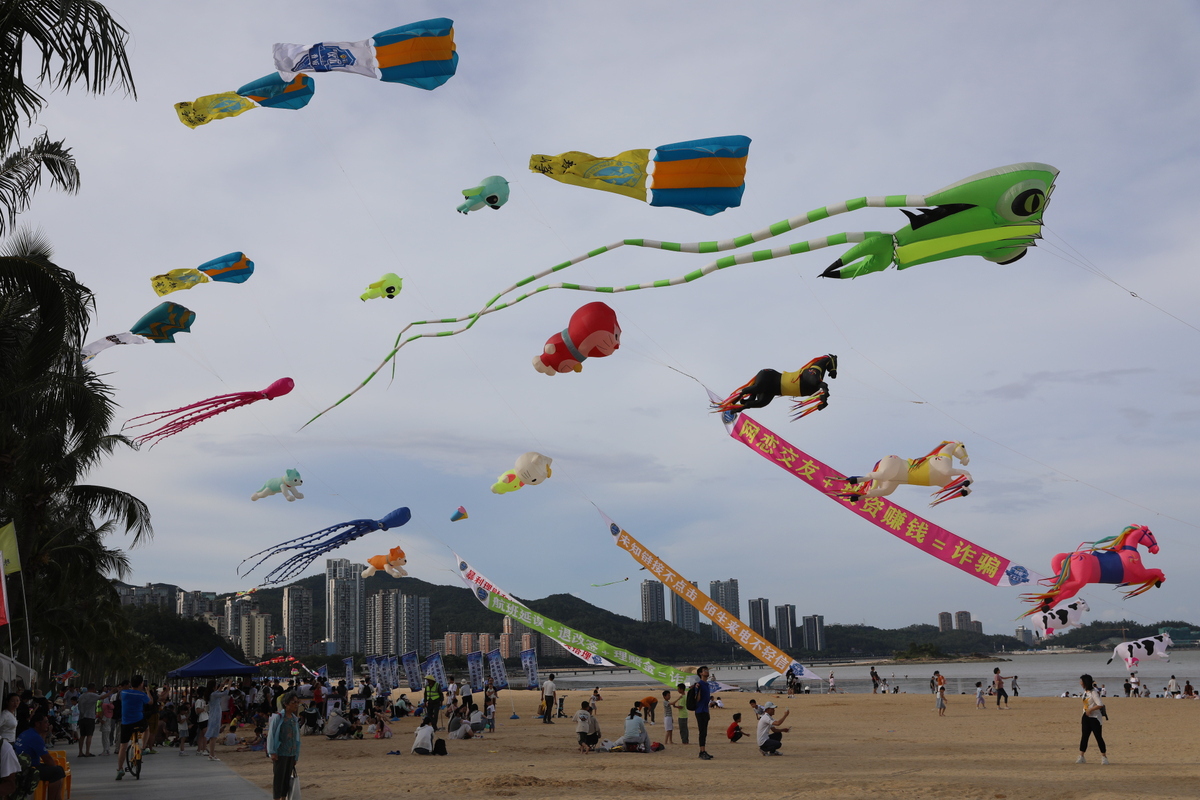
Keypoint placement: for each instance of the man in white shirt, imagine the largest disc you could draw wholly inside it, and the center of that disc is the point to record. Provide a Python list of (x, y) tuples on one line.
[(770, 734), (548, 689)]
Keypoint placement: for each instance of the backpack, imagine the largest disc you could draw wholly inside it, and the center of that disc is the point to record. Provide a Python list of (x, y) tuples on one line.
[(693, 696)]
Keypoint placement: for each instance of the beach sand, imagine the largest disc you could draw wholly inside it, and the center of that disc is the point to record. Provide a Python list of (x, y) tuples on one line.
[(840, 746)]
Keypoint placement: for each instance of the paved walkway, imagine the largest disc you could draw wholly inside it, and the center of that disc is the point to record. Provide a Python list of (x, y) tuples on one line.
[(165, 776)]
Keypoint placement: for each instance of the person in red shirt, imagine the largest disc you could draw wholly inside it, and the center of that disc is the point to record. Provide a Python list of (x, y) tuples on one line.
[(735, 732)]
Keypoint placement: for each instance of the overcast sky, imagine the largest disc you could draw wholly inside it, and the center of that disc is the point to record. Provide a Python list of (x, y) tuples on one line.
[(1076, 400)]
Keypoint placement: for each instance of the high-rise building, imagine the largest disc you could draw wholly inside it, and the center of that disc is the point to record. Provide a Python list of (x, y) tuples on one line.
[(684, 614), (510, 625), (508, 647), (654, 609), (412, 625), (451, 639), (977, 626), (161, 595), (945, 622), (298, 619), (549, 647), (760, 617), (814, 632), (485, 643), (381, 623), (466, 643), (785, 627), (962, 620), (529, 641), (192, 604), (1025, 635), (345, 600), (725, 594), (255, 633), (235, 608), (214, 621)]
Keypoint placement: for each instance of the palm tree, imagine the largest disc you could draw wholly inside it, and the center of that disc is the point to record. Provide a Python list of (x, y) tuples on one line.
[(77, 42), (54, 420), (21, 175)]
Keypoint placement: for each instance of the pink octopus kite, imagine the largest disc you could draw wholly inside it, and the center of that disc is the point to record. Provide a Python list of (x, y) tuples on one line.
[(181, 419)]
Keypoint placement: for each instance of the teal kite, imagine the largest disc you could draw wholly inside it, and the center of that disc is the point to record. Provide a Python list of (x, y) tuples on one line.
[(160, 325)]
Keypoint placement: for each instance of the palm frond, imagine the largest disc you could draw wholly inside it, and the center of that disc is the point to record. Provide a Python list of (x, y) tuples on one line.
[(21, 175)]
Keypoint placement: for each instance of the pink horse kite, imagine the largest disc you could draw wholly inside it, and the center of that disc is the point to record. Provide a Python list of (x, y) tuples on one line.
[(1112, 560)]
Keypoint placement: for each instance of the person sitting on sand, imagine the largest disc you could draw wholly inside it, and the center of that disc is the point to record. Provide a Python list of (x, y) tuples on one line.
[(259, 742), (337, 726), (382, 729), (457, 727), (635, 740), (735, 731), (476, 720), (424, 744)]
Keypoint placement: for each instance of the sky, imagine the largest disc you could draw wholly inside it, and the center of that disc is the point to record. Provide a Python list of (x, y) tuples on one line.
[(1070, 375)]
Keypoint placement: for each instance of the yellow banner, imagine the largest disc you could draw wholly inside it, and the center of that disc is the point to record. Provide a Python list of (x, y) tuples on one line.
[(8, 546), (741, 633), (176, 280), (624, 173)]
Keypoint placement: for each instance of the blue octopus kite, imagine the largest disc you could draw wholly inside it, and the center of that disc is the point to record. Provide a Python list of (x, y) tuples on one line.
[(314, 545)]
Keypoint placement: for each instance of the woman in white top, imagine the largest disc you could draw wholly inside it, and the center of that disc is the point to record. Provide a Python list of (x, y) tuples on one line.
[(635, 733), (8, 718), (1093, 712), (201, 706)]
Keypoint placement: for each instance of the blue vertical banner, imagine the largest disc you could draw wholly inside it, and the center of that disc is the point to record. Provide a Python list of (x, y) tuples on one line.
[(372, 671), (475, 670), (349, 662), (393, 672), (412, 671), (496, 670), (433, 666), (529, 664), (322, 671)]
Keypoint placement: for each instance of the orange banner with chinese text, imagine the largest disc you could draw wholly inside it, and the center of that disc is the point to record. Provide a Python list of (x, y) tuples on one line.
[(741, 633), (900, 522)]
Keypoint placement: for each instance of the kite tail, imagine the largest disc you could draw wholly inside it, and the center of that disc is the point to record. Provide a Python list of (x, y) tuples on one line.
[(1046, 599), (802, 408), (1142, 587), (953, 489), (294, 544), (193, 414), (731, 403)]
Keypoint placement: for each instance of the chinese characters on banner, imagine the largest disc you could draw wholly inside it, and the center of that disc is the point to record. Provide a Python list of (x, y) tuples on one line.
[(754, 644), (496, 669), (412, 671), (349, 662), (477, 582), (475, 670), (529, 664), (901, 523), (559, 632)]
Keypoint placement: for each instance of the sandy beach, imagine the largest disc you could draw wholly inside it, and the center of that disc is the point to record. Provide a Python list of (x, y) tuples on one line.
[(840, 746)]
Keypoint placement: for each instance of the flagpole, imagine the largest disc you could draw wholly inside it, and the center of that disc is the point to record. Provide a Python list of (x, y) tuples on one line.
[(28, 635)]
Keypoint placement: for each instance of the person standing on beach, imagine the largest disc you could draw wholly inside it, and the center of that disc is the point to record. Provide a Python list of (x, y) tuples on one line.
[(682, 716), (832, 684), (668, 717), (216, 714), (998, 681), (1016, 689), (1172, 686), (874, 681), (703, 700), (940, 705), (89, 701), (1093, 713), (433, 702), (283, 745), (980, 702), (548, 690)]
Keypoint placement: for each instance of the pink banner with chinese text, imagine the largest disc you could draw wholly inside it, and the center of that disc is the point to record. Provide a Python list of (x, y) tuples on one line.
[(900, 522)]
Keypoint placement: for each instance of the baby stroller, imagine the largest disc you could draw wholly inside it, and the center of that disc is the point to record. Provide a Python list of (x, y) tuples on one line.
[(60, 729), (310, 721)]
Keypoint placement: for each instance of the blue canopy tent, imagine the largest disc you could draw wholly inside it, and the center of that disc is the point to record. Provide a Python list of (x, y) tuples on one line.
[(216, 664)]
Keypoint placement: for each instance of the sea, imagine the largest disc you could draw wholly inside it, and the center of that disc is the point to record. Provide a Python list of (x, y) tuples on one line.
[(1039, 674)]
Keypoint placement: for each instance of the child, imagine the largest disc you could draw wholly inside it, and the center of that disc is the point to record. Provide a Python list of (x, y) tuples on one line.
[(668, 718), (259, 742), (941, 701), (596, 698), (477, 723), (231, 739), (735, 731), (184, 714), (980, 701), (586, 727), (491, 716), (382, 729)]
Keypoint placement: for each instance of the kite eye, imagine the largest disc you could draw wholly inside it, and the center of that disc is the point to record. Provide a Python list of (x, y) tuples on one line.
[(492, 199), (1023, 201)]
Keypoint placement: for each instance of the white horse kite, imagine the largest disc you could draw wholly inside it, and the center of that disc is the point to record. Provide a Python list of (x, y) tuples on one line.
[(935, 469)]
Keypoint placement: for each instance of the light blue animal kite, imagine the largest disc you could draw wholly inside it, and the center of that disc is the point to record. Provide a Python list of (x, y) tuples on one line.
[(492, 191), (285, 486)]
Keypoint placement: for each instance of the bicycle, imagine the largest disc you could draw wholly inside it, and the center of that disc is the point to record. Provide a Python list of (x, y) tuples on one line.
[(134, 765)]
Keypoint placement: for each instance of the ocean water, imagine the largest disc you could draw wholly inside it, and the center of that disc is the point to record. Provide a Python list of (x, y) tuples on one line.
[(1039, 674)]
